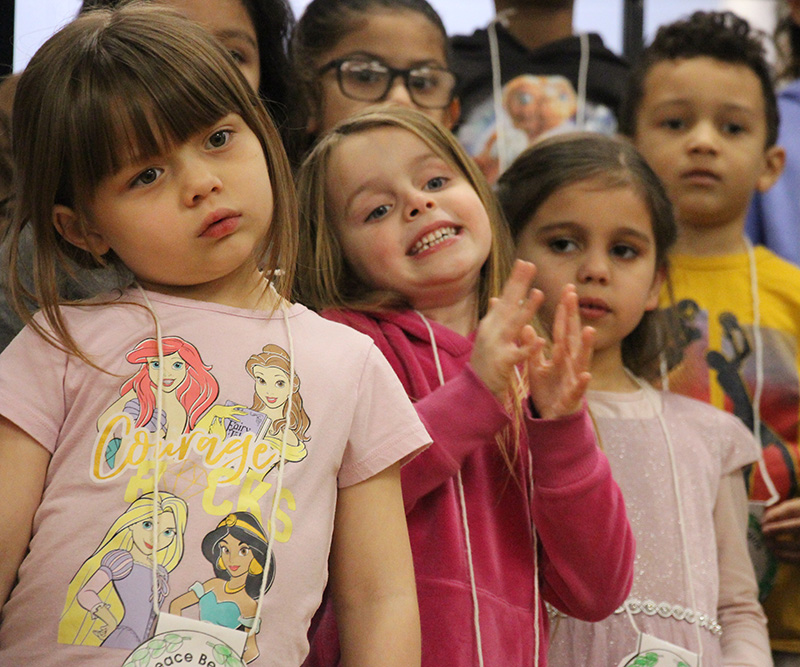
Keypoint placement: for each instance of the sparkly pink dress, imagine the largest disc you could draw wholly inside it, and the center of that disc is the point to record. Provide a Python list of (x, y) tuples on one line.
[(710, 447)]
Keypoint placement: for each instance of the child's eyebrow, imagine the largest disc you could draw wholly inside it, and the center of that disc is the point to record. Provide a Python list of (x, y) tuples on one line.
[(236, 34), (578, 228), (415, 64), (684, 101)]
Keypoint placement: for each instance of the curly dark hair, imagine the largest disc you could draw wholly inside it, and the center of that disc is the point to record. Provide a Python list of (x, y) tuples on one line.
[(723, 36), (787, 43)]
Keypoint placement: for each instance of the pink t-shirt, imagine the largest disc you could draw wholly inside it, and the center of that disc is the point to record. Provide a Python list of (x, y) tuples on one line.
[(226, 388)]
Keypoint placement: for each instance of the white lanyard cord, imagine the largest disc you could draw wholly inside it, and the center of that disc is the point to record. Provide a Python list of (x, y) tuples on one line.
[(460, 484), (583, 78), (679, 505), (160, 438), (497, 88), (758, 345), (535, 544), (281, 464), (157, 452)]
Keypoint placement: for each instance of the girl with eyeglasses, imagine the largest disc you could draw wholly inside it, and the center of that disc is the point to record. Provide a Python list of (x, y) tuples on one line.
[(352, 54)]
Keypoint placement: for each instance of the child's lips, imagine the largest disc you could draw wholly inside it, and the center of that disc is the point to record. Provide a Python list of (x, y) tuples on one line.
[(701, 177), (219, 223), (593, 309)]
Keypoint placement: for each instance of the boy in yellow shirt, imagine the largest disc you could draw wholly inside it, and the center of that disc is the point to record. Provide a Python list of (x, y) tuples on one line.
[(701, 108)]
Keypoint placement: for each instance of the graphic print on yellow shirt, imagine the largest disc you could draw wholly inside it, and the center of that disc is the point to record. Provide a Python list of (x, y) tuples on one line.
[(725, 375), (211, 446)]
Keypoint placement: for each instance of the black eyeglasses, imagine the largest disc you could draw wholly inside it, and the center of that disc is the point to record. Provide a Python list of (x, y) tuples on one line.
[(369, 80)]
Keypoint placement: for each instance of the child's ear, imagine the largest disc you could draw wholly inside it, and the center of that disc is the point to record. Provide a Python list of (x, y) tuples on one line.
[(452, 113), (653, 296), (774, 161), (311, 125), (76, 232)]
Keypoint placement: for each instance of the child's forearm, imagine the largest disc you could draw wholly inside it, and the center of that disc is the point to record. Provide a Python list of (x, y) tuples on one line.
[(744, 626), (383, 633), (372, 575), (23, 466)]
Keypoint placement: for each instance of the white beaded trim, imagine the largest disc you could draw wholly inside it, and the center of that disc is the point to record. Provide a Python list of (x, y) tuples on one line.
[(662, 609)]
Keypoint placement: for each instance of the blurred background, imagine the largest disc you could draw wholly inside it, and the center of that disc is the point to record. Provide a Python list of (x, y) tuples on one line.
[(25, 24)]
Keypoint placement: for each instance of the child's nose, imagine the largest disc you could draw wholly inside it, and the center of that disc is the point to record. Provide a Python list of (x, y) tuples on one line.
[(594, 269), (703, 138), (398, 93), (418, 205), (199, 184)]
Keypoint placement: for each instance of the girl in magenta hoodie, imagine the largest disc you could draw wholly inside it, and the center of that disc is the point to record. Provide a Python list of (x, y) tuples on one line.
[(513, 504)]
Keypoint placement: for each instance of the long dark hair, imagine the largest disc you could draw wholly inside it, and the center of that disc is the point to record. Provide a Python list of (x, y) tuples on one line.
[(563, 160)]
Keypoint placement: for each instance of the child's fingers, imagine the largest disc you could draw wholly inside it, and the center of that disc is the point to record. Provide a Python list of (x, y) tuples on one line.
[(516, 291), (572, 323), (583, 359)]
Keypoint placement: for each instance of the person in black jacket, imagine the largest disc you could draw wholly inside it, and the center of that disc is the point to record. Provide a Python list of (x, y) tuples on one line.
[(545, 79)]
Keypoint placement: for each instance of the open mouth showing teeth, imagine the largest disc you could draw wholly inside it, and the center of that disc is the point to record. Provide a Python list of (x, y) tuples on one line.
[(432, 239)]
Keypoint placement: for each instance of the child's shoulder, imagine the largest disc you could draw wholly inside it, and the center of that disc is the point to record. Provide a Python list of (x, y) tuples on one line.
[(705, 419), (344, 323), (770, 264), (692, 409), (334, 333)]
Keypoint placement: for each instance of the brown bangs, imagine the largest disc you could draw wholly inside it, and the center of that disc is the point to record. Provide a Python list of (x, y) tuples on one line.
[(134, 99), (111, 88)]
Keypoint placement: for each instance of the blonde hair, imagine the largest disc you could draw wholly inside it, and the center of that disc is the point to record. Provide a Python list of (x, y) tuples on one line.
[(112, 86), (325, 279), (76, 624)]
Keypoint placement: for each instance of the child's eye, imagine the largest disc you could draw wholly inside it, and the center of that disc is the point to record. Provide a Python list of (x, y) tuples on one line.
[(378, 213), (732, 128), (623, 251), (147, 177), (219, 138), (562, 245), (436, 183), (238, 57), (673, 123)]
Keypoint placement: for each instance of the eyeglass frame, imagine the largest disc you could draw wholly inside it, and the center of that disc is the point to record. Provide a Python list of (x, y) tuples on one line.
[(394, 72)]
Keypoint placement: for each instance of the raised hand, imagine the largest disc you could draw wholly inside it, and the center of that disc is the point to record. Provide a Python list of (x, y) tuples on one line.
[(558, 383), (781, 527), (505, 337)]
